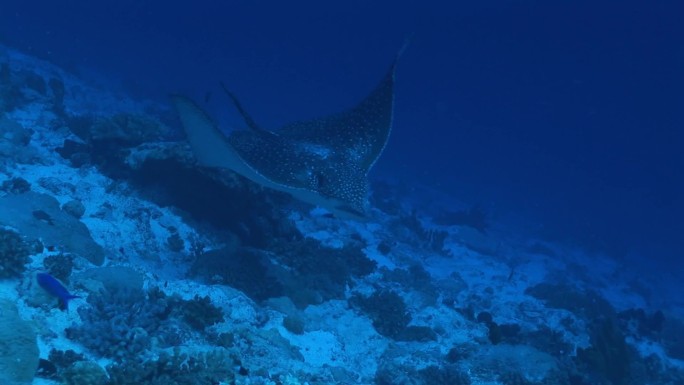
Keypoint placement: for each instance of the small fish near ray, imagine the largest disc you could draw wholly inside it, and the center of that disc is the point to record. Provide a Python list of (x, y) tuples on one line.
[(323, 161)]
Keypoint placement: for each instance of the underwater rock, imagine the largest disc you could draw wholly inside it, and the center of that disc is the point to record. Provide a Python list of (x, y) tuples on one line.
[(16, 185), (60, 230), (246, 270), (128, 128), (75, 208), (76, 152), (325, 270), (14, 140), (294, 324), (11, 95), (111, 278), (18, 347), (33, 81)]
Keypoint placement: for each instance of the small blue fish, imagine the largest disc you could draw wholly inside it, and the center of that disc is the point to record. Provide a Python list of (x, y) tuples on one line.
[(56, 289)]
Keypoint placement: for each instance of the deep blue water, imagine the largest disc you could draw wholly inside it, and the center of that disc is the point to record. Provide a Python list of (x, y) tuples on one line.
[(565, 116)]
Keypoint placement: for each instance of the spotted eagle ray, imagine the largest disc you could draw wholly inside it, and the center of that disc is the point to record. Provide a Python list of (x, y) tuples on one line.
[(323, 161)]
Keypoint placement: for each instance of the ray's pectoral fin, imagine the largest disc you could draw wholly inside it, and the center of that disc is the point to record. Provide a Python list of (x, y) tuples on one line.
[(247, 118), (360, 133), (208, 143), (210, 146)]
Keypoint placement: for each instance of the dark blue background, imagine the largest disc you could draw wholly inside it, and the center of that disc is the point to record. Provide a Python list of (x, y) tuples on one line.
[(563, 115)]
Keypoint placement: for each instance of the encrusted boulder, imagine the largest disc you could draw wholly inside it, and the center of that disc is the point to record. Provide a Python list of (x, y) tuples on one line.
[(38, 216), (18, 347)]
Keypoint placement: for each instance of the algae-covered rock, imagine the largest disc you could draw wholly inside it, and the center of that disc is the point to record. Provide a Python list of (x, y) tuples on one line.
[(18, 347), (38, 216)]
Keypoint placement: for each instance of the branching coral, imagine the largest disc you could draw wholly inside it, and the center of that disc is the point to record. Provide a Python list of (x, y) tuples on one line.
[(120, 323)]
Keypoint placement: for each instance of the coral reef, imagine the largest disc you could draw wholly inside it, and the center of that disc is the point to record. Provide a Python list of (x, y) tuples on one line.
[(223, 200), (14, 143), (84, 373), (128, 128), (495, 332), (609, 356), (325, 270), (448, 374), (513, 378), (417, 334), (121, 324), (244, 269), (586, 303), (199, 313), (63, 359), (178, 368), (124, 322), (123, 128), (415, 277), (11, 94), (548, 340), (421, 235), (386, 309), (672, 336), (59, 266), (14, 254), (392, 374)]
